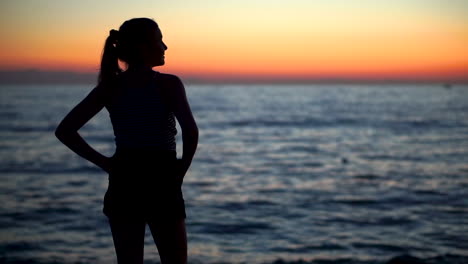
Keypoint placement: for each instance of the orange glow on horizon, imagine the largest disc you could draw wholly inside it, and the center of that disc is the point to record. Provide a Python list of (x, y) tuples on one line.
[(316, 39)]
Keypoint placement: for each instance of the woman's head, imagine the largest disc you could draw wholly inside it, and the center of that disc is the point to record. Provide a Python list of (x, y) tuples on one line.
[(138, 42)]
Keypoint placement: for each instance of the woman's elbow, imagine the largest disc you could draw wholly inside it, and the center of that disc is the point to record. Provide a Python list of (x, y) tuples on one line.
[(59, 133), (191, 131), (195, 132), (62, 133)]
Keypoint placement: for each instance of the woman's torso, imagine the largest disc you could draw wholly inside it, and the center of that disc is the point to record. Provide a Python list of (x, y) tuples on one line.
[(140, 113)]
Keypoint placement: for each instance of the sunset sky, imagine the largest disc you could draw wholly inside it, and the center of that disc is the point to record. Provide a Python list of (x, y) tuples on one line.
[(249, 39)]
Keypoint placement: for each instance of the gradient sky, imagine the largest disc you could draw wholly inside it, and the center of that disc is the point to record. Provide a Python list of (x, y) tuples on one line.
[(373, 39)]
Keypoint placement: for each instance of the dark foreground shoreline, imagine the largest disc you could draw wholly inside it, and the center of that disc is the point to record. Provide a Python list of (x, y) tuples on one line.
[(402, 259)]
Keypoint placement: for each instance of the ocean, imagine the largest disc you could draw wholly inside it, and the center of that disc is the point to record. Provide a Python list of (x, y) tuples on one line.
[(315, 173)]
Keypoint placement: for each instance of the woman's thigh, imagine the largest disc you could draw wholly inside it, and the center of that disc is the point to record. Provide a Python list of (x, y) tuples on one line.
[(171, 239), (129, 238)]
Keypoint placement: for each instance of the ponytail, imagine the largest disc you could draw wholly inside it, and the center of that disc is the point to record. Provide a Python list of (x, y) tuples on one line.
[(124, 45), (110, 59)]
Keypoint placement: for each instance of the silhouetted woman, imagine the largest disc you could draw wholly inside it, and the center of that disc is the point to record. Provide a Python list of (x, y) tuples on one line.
[(145, 177)]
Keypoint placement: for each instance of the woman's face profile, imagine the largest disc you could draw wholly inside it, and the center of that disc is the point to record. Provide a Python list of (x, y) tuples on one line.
[(156, 48)]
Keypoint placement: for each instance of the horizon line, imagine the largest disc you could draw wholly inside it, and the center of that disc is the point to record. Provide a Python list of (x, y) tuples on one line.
[(38, 76)]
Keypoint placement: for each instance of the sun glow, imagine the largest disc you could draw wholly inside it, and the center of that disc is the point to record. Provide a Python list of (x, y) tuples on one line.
[(217, 39)]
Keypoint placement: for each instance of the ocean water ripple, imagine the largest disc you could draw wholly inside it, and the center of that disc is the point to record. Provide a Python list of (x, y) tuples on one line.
[(284, 174)]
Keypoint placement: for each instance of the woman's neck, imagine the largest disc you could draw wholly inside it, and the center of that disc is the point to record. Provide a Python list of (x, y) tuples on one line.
[(139, 68)]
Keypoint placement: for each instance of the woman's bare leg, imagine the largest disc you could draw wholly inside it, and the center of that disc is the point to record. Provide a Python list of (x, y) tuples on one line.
[(129, 239), (171, 240)]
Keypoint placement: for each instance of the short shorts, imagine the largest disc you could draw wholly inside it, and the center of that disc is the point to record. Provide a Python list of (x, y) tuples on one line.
[(144, 183)]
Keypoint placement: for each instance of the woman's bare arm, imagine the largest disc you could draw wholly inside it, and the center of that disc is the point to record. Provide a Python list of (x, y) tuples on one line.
[(67, 130), (187, 123)]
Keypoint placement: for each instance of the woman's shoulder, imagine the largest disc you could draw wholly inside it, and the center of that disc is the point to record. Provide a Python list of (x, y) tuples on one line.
[(172, 83), (169, 78), (107, 90)]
